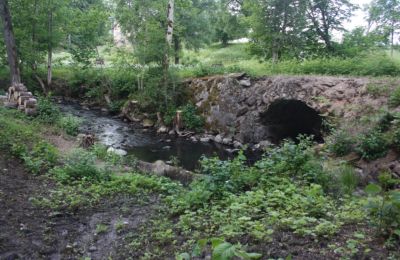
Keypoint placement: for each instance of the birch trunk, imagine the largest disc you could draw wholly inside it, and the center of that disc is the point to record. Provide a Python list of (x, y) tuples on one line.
[(168, 38), (9, 40), (50, 46)]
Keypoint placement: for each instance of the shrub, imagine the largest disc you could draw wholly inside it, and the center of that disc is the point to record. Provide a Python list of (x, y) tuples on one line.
[(340, 143), (396, 139), (385, 122), (70, 124), (394, 99), (377, 90), (190, 117), (79, 165), (372, 145), (47, 111), (383, 208)]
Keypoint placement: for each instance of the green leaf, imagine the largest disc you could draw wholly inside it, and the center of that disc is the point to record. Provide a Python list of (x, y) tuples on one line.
[(224, 251), (183, 256), (373, 189), (199, 247), (247, 256), (216, 242)]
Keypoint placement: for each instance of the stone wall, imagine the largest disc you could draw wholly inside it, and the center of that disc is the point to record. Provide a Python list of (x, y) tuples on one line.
[(234, 105)]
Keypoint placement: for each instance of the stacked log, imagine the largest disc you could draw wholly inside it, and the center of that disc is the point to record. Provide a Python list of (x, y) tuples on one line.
[(19, 97)]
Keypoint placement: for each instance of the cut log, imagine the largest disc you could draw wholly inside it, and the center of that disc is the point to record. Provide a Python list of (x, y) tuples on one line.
[(22, 99), (3, 99), (20, 87), (30, 103), (31, 111), (160, 168), (21, 107), (10, 104), (25, 94)]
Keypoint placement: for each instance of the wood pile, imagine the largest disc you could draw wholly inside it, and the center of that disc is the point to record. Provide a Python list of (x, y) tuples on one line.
[(19, 97)]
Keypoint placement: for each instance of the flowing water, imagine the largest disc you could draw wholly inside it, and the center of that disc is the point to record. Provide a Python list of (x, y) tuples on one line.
[(144, 144)]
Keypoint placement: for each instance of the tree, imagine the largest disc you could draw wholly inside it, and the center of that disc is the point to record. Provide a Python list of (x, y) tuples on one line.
[(277, 27), (385, 15), (226, 20), (10, 42), (326, 16)]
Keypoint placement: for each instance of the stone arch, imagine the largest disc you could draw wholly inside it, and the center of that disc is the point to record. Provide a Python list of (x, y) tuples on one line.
[(288, 118)]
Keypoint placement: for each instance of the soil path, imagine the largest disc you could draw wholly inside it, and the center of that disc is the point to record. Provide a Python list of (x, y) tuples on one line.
[(29, 232)]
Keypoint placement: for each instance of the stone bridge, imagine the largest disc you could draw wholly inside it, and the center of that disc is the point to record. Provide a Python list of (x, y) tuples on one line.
[(273, 108)]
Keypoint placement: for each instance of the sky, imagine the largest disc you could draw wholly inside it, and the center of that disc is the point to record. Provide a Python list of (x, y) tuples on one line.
[(359, 16)]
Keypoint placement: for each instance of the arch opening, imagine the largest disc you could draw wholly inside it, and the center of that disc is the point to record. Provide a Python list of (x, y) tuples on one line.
[(290, 118)]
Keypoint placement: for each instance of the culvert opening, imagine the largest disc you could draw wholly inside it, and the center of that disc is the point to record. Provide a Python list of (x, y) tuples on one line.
[(287, 119)]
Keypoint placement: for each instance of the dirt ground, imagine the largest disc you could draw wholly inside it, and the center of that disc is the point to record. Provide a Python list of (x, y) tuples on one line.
[(29, 232)]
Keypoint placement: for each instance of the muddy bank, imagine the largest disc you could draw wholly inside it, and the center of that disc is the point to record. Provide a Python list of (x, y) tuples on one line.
[(30, 232)]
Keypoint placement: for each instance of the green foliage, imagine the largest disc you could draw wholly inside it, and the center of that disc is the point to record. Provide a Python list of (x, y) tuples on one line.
[(70, 124), (383, 208), (221, 250), (86, 193), (287, 189), (372, 145), (21, 138), (396, 139), (348, 179), (191, 119), (394, 99), (376, 90), (79, 165), (340, 143), (47, 111), (41, 158)]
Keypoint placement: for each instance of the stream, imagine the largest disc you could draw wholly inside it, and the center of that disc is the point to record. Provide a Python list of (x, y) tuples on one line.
[(143, 143)]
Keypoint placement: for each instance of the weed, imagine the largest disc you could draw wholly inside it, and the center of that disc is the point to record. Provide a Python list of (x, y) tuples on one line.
[(70, 124), (47, 111), (340, 143), (376, 90), (79, 165), (372, 145), (101, 228), (394, 99)]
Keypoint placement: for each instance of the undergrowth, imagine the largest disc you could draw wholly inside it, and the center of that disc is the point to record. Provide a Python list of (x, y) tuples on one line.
[(293, 189)]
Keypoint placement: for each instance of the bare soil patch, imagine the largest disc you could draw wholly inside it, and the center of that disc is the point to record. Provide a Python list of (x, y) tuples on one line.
[(30, 232)]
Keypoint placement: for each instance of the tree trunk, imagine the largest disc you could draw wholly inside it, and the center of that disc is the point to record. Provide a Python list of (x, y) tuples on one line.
[(168, 38), (50, 46), (177, 48), (10, 42), (392, 40)]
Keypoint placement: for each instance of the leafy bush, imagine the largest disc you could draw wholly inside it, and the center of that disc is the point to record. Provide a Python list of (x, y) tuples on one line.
[(340, 143), (47, 111), (394, 99), (377, 90), (190, 117), (79, 165), (221, 250), (372, 145), (42, 158), (396, 139), (385, 122), (384, 209), (70, 124)]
